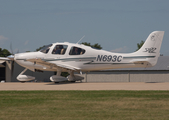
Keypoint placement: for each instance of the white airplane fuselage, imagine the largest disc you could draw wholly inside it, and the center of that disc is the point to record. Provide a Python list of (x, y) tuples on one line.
[(71, 57), (93, 59)]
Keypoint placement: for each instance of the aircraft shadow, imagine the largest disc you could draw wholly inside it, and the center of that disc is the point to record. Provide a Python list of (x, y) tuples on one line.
[(153, 82), (61, 83)]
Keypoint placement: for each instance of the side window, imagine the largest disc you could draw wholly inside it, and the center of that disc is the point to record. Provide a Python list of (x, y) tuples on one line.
[(59, 49), (76, 51)]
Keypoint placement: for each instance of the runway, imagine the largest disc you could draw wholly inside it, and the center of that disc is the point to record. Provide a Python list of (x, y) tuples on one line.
[(83, 86)]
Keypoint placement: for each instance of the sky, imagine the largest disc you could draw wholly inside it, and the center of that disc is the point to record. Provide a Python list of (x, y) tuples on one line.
[(117, 25)]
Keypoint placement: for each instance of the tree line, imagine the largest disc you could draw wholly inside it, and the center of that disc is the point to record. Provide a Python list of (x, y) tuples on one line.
[(4, 52)]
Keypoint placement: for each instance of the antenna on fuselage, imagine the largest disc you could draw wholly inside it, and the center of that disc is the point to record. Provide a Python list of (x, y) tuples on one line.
[(80, 39)]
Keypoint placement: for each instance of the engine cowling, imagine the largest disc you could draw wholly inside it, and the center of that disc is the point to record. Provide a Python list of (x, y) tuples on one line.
[(24, 78)]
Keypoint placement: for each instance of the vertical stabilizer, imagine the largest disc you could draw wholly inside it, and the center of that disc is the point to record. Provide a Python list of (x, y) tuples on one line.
[(151, 47)]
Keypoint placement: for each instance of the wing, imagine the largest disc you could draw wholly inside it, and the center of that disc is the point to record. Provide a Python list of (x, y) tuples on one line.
[(52, 65), (2, 60)]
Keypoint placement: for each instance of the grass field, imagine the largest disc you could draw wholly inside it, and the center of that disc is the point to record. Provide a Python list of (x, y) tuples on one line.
[(84, 105)]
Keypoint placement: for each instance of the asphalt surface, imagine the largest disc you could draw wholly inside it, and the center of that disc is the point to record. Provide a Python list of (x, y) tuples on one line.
[(83, 86)]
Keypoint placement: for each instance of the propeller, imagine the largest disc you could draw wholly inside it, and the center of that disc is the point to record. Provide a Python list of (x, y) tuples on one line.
[(11, 57), (11, 49)]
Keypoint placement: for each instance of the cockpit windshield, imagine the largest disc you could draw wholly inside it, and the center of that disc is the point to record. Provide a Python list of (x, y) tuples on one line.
[(46, 48)]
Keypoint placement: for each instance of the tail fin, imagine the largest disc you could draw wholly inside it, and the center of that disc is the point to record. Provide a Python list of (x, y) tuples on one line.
[(151, 47)]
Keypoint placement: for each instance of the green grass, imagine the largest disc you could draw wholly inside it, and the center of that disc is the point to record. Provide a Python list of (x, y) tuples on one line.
[(84, 105)]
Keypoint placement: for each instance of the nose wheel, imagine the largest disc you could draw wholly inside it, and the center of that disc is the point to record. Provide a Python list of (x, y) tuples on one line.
[(24, 78)]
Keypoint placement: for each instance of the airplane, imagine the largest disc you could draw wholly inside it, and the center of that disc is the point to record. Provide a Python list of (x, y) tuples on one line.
[(70, 57)]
